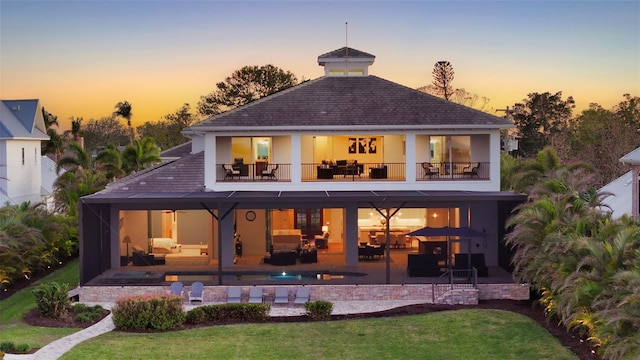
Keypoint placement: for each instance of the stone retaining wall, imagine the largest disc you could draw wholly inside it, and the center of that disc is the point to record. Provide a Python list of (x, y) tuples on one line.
[(419, 292)]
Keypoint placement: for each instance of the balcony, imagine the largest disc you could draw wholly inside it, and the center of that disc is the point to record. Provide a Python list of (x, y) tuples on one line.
[(353, 172)]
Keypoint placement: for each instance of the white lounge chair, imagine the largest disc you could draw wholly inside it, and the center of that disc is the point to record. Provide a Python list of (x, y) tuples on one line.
[(197, 292), (234, 295), (255, 295), (302, 295), (281, 296)]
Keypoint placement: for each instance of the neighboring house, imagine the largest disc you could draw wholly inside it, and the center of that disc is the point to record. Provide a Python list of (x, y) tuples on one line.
[(352, 156), (623, 192), (22, 167)]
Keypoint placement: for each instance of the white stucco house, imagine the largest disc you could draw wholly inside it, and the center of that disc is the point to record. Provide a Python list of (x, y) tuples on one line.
[(351, 154), (25, 175)]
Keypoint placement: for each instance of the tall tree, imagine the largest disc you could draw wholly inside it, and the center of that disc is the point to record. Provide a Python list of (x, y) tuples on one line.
[(539, 117), (99, 133), (123, 109), (598, 137), (245, 85), (167, 132), (442, 79)]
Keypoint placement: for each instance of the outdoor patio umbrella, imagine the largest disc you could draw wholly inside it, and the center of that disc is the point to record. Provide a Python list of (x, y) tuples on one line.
[(462, 232)]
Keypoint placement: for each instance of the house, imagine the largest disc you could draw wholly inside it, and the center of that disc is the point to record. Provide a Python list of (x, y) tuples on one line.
[(24, 174), (340, 162), (623, 191)]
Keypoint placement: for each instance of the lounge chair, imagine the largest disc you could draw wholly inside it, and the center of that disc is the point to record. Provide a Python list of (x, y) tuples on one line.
[(234, 295), (197, 292), (256, 295), (281, 296), (177, 288), (302, 295)]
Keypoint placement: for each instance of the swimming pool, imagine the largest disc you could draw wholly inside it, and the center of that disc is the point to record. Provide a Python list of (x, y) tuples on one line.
[(259, 276)]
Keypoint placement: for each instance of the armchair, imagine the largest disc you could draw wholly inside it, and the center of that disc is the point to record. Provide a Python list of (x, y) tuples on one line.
[(229, 171), (269, 171), (471, 170), (430, 170)]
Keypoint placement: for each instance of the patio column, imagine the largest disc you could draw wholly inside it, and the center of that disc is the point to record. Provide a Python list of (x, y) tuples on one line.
[(225, 235), (351, 235)]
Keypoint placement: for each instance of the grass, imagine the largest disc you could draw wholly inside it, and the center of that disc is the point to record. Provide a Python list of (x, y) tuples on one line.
[(12, 309), (464, 334)]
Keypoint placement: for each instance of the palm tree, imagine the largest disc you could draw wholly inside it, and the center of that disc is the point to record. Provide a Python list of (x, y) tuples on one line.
[(109, 161), (123, 109), (77, 158), (141, 153), (525, 174)]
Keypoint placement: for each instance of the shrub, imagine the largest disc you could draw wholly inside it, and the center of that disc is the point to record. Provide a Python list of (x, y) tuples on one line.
[(228, 312), (22, 348), (148, 313), (7, 347), (196, 316), (52, 299), (318, 310)]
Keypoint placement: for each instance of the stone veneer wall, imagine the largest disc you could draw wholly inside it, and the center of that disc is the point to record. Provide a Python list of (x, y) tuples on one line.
[(503, 291)]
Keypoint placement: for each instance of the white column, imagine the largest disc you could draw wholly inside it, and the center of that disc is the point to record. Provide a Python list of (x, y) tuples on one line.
[(410, 157), (296, 159), (210, 166)]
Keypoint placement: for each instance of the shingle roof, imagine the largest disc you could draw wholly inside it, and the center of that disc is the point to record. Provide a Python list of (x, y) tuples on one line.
[(182, 175), (351, 103), (177, 151), (343, 53)]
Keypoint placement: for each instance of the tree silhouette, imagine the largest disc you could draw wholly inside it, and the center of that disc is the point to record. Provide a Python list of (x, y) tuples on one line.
[(442, 79), (123, 109)]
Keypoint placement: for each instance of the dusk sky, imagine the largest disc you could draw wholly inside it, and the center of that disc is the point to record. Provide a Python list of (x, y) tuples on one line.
[(82, 57)]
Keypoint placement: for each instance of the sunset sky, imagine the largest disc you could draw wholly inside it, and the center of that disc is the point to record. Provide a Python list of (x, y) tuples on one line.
[(82, 57)]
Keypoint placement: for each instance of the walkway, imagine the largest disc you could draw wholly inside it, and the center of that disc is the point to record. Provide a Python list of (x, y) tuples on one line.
[(57, 348)]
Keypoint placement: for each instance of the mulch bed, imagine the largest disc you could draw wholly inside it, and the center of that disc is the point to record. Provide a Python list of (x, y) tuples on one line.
[(583, 349)]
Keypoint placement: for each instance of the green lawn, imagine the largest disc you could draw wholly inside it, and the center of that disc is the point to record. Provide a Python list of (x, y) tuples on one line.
[(465, 334), (13, 309)]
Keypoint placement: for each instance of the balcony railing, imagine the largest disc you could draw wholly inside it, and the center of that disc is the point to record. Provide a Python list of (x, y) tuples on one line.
[(253, 172), (353, 172), (452, 171), (259, 172)]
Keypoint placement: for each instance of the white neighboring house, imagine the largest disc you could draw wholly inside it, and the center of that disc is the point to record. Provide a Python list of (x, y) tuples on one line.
[(624, 198), (25, 175)]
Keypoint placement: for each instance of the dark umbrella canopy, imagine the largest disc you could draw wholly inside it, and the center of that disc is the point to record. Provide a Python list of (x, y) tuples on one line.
[(448, 231)]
